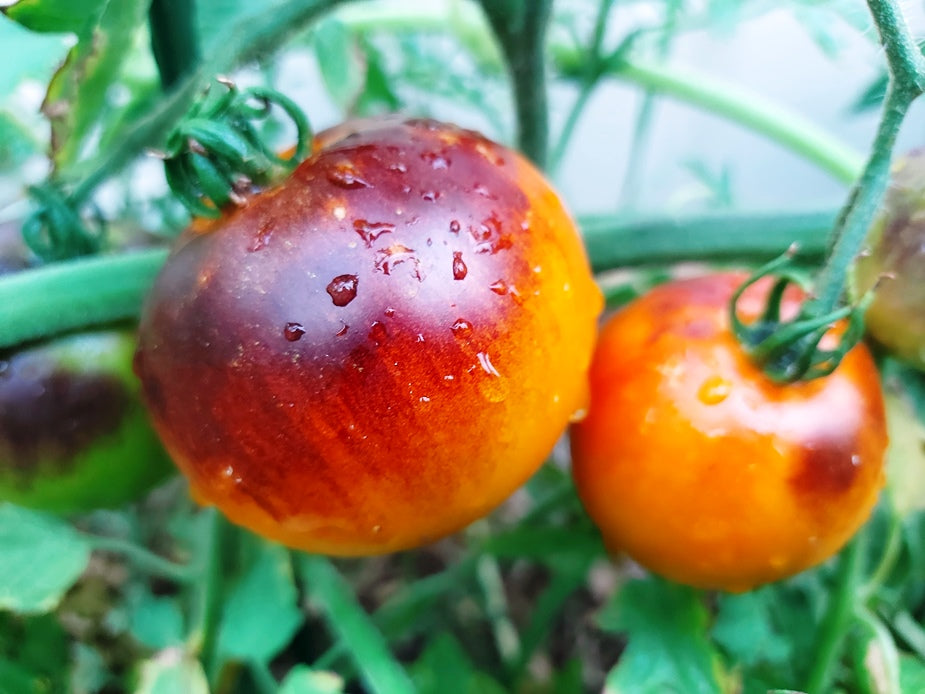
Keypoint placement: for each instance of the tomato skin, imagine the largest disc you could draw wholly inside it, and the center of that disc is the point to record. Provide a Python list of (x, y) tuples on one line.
[(73, 434), (896, 247), (701, 468), (378, 351)]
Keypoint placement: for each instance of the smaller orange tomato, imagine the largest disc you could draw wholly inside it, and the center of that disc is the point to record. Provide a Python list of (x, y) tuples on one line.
[(701, 468)]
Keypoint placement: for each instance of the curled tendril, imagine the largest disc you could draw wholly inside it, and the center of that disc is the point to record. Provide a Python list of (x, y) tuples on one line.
[(789, 350), (56, 231), (216, 154)]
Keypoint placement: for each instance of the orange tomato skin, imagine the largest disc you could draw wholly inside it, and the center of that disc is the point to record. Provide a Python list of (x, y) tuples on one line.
[(705, 471), (378, 351)]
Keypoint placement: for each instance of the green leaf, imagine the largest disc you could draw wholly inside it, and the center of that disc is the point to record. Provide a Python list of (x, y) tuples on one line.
[(55, 16), (156, 622), (77, 94), (346, 618), (744, 629), (33, 654), (445, 667), (41, 557), (668, 649), (341, 62), (172, 671), (261, 614), (303, 680), (16, 142)]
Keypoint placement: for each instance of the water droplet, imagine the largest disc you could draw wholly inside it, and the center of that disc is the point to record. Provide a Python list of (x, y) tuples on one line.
[(343, 289), (344, 175), (714, 390), (264, 231), (389, 312), (378, 332), (499, 287), (377, 529), (486, 364), (436, 160), (578, 415), (396, 254), (339, 213), (461, 327), (448, 377), (855, 459), (420, 337), (423, 398), (430, 195), (293, 331), (479, 189), (343, 330), (228, 471), (459, 266), (454, 226), (370, 231), (398, 167)]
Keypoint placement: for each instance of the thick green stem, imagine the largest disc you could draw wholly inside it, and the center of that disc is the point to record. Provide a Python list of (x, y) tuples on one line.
[(907, 75), (94, 291), (174, 39), (614, 242), (520, 26), (75, 294), (837, 619)]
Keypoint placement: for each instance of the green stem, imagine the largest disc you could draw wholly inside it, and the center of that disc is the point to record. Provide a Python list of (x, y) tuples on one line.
[(591, 78), (888, 559), (86, 292), (838, 618), (174, 38), (380, 672), (614, 242), (263, 679), (633, 177), (143, 558), (520, 26), (758, 114), (889, 654), (75, 294), (216, 532), (907, 75)]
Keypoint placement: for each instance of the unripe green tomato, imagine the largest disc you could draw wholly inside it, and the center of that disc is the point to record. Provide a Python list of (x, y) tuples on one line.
[(896, 245), (73, 434)]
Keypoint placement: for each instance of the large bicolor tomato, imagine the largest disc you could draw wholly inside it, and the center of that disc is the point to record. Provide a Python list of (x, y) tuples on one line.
[(704, 470), (74, 435), (380, 349)]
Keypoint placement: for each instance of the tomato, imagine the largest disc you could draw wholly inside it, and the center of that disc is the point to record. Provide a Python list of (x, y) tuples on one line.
[(377, 351), (896, 245), (704, 470), (73, 434)]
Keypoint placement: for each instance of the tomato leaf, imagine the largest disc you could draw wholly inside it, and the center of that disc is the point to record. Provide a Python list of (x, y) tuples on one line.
[(172, 671), (668, 648), (744, 629), (303, 680), (443, 661), (262, 613), (78, 92), (42, 557), (156, 622), (55, 16)]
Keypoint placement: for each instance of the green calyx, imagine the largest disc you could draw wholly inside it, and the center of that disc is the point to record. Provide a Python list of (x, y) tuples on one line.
[(216, 153), (790, 350)]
